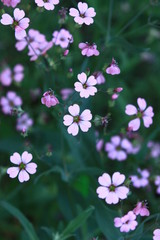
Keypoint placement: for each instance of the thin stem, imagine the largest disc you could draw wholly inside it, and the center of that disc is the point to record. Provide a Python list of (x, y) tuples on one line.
[(109, 21)]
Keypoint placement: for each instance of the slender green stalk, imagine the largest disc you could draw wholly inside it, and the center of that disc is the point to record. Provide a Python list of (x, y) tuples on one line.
[(109, 21)]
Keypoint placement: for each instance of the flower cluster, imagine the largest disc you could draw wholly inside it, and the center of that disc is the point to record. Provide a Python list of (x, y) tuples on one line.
[(7, 76)]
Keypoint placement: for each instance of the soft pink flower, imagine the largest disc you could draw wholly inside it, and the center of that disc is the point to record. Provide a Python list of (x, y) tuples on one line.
[(83, 15), (127, 222), (118, 148), (9, 102), (23, 166), (157, 183), (113, 68), (66, 92), (110, 189), (62, 38), (99, 144), (76, 120), (47, 4), (142, 180), (37, 50), (49, 99), (85, 85), (10, 3), (156, 234), (18, 74), (141, 209), (19, 22), (154, 149), (142, 112), (88, 49), (6, 77), (24, 122), (99, 77)]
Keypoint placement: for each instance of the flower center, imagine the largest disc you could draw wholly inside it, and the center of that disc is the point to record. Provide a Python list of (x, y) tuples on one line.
[(76, 119), (140, 114), (15, 23), (85, 86), (112, 188), (22, 166), (82, 15)]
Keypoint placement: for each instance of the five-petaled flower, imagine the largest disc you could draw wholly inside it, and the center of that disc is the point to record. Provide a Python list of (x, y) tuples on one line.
[(88, 49), (76, 120), (142, 112), (141, 209), (156, 234), (18, 22), (83, 15), (47, 4), (86, 85), (127, 222), (23, 166), (49, 99), (110, 188)]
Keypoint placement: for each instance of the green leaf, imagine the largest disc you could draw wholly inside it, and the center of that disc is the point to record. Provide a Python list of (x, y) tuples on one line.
[(76, 223), (23, 220)]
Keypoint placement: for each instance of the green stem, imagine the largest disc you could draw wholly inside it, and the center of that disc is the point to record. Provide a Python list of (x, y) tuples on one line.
[(109, 21)]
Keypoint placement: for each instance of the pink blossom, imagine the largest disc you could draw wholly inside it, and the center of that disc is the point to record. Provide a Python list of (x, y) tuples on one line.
[(23, 166), (85, 85), (37, 50), (118, 148), (83, 15), (157, 183), (156, 234), (62, 38), (9, 102), (88, 49), (99, 144), (154, 149), (47, 4), (24, 122), (127, 222), (141, 209), (142, 180), (76, 120), (6, 77), (113, 68), (142, 112), (11, 3), (99, 77), (19, 22), (18, 74), (110, 189), (49, 99), (66, 92)]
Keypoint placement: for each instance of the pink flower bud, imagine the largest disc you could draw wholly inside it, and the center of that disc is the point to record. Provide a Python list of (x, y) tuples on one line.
[(115, 96), (49, 99), (65, 52), (119, 89)]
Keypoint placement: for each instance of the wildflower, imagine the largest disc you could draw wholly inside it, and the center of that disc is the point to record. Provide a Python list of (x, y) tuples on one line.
[(6, 77), (47, 4), (141, 180), (99, 144), (113, 68), (66, 92), (19, 22), (62, 38), (23, 166), (88, 49), (142, 112), (11, 3), (99, 77), (118, 148), (116, 92), (86, 85), (76, 120), (156, 234), (83, 15), (154, 149), (157, 183), (127, 222), (24, 122), (49, 99), (110, 189), (141, 209), (9, 102), (18, 74)]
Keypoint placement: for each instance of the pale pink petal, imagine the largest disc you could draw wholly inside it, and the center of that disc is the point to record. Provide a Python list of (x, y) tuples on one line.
[(112, 198), (16, 158), (31, 168), (149, 112), (73, 129), (82, 7), (68, 120), (134, 124), (115, 140), (26, 157), (84, 125), (13, 172), (90, 12), (102, 192), (86, 115), (122, 192), (18, 14), (23, 176), (131, 109), (117, 222), (6, 19), (118, 178), (74, 110), (147, 121), (141, 103), (82, 77), (105, 180), (73, 12)]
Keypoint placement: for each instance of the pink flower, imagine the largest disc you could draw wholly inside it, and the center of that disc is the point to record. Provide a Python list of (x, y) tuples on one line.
[(11, 3), (88, 49), (142, 112), (23, 166), (142, 179), (141, 209), (6, 77), (83, 15), (9, 102), (49, 99), (24, 123), (113, 68), (86, 85), (18, 73), (118, 148), (156, 234), (99, 77), (47, 4), (19, 23), (157, 183), (99, 144), (127, 222), (62, 38), (154, 148), (76, 120), (110, 189), (66, 92)]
